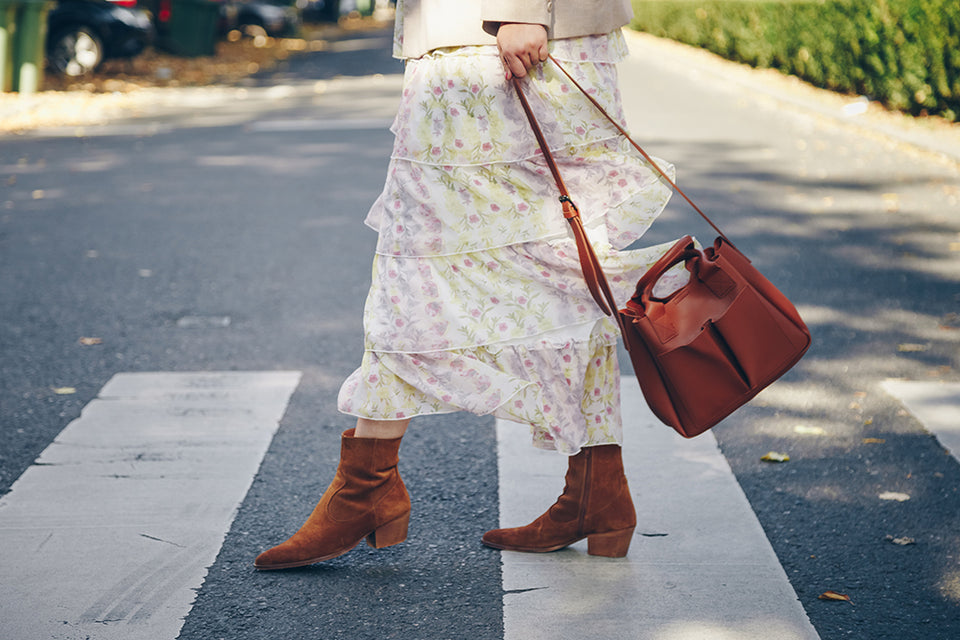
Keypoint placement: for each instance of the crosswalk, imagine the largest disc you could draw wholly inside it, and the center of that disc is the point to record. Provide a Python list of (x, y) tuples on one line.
[(699, 566), (108, 535), (111, 532)]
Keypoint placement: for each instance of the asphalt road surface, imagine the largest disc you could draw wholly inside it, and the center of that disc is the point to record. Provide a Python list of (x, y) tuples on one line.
[(225, 234)]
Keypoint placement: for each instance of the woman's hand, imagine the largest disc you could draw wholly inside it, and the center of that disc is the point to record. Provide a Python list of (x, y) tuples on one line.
[(521, 46)]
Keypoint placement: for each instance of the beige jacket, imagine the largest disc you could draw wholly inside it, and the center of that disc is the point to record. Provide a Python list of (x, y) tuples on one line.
[(429, 24)]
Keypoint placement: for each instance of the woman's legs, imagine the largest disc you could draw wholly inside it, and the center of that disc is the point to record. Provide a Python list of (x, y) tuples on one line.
[(366, 499), (381, 429)]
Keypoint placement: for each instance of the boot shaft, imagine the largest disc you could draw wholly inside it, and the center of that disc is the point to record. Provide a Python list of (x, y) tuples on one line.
[(368, 459), (367, 478), (596, 490)]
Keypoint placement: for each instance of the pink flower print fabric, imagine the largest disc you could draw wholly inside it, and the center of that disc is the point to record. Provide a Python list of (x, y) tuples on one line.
[(477, 301)]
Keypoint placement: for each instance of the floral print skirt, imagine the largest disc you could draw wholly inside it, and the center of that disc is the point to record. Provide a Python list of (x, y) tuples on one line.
[(477, 301)]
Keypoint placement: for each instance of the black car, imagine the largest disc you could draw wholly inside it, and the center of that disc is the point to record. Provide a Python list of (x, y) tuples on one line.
[(81, 34), (276, 18)]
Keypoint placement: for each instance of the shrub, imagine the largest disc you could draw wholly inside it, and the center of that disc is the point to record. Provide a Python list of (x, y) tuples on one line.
[(904, 53)]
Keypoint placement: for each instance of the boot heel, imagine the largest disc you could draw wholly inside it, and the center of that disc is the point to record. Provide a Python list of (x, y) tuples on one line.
[(613, 544), (393, 532)]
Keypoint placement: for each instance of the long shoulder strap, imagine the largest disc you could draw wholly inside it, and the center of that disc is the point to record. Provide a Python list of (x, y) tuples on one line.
[(592, 271), (636, 146)]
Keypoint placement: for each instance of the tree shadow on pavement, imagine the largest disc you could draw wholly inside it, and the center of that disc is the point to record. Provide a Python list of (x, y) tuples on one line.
[(866, 258), (347, 53)]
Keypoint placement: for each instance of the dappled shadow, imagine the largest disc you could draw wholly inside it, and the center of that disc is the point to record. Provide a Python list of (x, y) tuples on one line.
[(865, 253), (887, 276), (223, 218), (347, 53), (836, 479)]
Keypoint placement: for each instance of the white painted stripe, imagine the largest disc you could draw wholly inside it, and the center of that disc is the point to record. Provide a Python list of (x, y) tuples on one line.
[(935, 404), (700, 566), (112, 530), (330, 124)]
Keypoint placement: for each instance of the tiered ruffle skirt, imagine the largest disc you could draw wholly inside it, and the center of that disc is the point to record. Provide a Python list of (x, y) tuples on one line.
[(477, 301)]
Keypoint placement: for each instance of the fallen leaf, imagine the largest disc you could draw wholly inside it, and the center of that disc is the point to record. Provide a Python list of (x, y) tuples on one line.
[(808, 431), (833, 595), (894, 495), (891, 202), (873, 441), (90, 341), (950, 321), (773, 456), (910, 347), (902, 541), (64, 391)]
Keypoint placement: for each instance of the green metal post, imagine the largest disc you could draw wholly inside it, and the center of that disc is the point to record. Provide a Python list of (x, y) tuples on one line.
[(8, 14), (30, 41), (365, 7)]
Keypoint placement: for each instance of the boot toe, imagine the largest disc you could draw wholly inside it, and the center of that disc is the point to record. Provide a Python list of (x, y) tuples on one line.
[(276, 558), (528, 539), (496, 538)]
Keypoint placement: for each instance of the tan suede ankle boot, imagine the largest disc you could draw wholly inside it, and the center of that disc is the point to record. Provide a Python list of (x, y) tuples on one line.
[(595, 505), (367, 499)]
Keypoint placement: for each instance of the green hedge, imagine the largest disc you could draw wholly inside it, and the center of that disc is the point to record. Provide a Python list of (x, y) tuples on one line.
[(904, 53)]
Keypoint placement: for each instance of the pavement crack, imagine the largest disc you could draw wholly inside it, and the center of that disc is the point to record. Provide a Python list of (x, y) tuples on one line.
[(45, 541), (524, 590), (143, 535)]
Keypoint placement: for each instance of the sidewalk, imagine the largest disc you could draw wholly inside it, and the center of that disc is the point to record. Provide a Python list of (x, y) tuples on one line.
[(137, 88), (928, 135)]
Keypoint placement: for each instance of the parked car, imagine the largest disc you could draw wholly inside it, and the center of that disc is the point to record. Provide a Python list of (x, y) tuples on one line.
[(253, 17), (274, 18), (81, 34), (319, 10)]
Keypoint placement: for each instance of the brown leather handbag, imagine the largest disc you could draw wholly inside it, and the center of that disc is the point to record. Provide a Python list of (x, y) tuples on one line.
[(708, 348)]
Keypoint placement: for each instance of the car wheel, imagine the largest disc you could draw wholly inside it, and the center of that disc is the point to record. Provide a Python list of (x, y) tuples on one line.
[(254, 30), (75, 51)]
